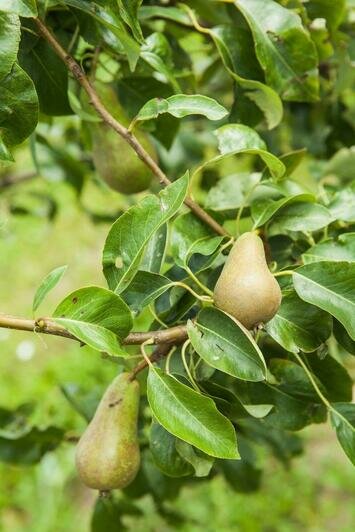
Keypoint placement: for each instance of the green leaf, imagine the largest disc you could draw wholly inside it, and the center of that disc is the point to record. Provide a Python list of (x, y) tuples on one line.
[(5, 154), (23, 8), (130, 234), (190, 416), (231, 191), (188, 236), (340, 249), (28, 446), (343, 338), (110, 20), (47, 71), (97, 317), (154, 254), (343, 419), (171, 13), (262, 211), (237, 138), (165, 455), (226, 345), (332, 11), (342, 207), (48, 283), (144, 289), (230, 45), (292, 379), (334, 377), (181, 105), (158, 54), (331, 287), (298, 326), (18, 106), (10, 34), (284, 49), (129, 13), (202, 463), (302, 217), (234, 139)]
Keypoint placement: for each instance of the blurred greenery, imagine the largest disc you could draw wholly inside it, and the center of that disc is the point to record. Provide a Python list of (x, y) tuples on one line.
[(315, 495)]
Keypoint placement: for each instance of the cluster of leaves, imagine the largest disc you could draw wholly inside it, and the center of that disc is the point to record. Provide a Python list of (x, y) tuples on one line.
[(281, 75)]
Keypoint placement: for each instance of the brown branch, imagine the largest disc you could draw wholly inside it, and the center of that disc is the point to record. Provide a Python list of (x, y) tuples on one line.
[(171, 336), (16, 179), (80, 76)]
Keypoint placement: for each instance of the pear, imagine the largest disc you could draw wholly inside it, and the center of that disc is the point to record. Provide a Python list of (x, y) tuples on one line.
[(246, 289), (107, 455), (114, 159)]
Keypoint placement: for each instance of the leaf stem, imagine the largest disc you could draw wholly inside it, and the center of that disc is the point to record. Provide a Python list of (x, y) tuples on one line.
[(198, 282), (186, 366), (314, 384), (189, 289), (283, 272)]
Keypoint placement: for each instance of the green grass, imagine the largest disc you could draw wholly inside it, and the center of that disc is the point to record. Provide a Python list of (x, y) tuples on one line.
[(315, 495)]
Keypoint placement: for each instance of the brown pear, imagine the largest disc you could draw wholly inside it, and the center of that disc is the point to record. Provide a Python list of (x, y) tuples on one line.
[(246, 289), (107, 455)]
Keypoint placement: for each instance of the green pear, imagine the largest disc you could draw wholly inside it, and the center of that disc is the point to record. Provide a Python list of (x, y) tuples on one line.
[(246, 289), (114, 159), (107, 455)]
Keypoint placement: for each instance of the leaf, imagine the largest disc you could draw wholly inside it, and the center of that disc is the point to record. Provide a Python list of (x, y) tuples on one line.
[(291, 160), (231, 191), (23, 8), (190, 416), (47, 71), (130, 234), (298, 326), (332, 11), (292, 379), (144, 289), (237, 138), (224, 344), (165, 455), (340, 249), (302, 217), (10, 34), (230, 45), (154, 254), (262, 211), (284, 49), (18, 106), (28, 446), (188, 236), (171, 13), (343, 338), (158, 54), (5, 154), (342, 207), (202, 463), (129, 13), (109, 19), (48, 283), (243, 476), (181, 105), (334, 377), (331, 287), (342, 416), (96, 316)]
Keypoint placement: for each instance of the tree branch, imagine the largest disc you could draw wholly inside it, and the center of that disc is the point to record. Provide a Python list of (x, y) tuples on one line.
[(171, 336), (80, 76), (15, 179)]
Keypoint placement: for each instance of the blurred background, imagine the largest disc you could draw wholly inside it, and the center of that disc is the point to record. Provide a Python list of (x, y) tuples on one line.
[(43, 225)]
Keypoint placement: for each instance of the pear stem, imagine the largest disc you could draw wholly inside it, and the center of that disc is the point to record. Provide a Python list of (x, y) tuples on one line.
[(284, 272), (127, 135), (198, 282), (189, 289)]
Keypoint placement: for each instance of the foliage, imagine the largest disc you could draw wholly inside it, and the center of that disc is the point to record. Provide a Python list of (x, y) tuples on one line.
[(230, 93)]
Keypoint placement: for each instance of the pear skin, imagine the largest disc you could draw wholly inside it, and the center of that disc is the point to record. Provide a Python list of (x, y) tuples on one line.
[(246, 289), (114, 159), (107, 455)]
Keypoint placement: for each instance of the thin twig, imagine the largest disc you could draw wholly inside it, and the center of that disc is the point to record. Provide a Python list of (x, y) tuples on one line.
[(169, 336), (16, 179), (80, 76)]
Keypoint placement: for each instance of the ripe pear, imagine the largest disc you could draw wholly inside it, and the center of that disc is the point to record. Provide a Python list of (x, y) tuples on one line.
[(107, 455), (114, 159), (246, 289)]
